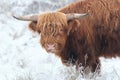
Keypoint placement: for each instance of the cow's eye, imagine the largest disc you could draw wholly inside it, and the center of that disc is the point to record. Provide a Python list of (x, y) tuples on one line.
[(61, 30)]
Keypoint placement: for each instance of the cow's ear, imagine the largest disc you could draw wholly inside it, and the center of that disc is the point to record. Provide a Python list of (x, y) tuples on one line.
[(33, 26), (73, 25)]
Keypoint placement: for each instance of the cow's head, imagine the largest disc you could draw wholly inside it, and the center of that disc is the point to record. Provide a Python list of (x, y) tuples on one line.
[(54, 28)]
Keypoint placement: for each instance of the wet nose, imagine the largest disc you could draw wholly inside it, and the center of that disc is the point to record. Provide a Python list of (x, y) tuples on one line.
[(50, 46)]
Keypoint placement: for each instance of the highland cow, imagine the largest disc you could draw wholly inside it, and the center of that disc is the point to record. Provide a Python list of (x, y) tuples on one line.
[(81, 32)]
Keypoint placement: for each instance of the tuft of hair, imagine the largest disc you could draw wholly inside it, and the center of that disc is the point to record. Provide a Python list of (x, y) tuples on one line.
[(53, 19)]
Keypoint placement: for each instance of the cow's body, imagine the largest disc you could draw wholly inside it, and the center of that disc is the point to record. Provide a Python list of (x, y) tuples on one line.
[(98, 34), (81, 40)]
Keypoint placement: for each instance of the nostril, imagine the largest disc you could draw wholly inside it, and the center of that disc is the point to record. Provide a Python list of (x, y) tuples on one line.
[(53, 45), (50, 46)]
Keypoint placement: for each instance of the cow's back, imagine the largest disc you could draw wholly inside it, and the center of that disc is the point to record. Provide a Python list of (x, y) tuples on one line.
[(101, 28)]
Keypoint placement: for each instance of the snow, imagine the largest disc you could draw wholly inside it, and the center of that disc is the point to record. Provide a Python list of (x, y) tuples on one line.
[(23, 58)]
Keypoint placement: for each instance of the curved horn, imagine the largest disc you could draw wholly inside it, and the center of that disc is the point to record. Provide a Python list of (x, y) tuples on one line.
[(27, 17), (75, 16)]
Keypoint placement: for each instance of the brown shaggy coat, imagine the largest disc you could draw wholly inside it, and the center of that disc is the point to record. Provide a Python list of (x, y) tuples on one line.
[(96, 35)]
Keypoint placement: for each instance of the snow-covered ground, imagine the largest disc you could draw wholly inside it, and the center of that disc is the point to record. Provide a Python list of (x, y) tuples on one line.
[(21, 55)]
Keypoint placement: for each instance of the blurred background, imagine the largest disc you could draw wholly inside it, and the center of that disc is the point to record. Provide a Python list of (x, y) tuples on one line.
[(23, 58)]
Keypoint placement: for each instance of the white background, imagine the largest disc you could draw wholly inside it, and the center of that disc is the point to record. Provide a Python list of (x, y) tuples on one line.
[(21, 55)]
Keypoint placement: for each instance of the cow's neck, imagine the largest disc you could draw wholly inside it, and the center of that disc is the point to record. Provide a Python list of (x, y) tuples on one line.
[(70, 50)]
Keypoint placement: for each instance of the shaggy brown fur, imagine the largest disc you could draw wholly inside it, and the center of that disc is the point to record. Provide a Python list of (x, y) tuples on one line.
[(96, 35)]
